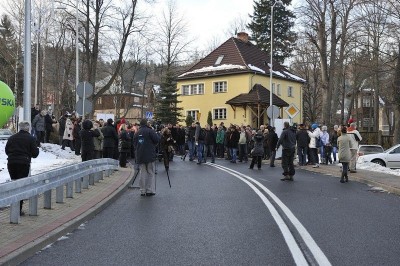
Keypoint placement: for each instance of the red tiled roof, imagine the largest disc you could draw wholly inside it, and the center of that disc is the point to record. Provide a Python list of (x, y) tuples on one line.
[(238, 57), (257, 95)]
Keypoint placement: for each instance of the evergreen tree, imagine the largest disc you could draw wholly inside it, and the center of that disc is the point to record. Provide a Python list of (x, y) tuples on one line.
[(166, 109), (189, 120), (260, 26), (209, 119)]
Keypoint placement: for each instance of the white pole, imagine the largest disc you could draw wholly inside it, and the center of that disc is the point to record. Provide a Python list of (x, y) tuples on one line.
[(271, 63), (27, 63), (76, 50)]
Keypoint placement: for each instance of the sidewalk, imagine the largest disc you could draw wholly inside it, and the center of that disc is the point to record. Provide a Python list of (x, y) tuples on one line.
[(20, 241), (390, 183)]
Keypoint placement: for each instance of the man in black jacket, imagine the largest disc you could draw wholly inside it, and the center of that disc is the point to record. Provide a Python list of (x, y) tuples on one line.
[(302, 144), (87, 143), (145, 142), (20, 149), (110, 138), (288, 142)]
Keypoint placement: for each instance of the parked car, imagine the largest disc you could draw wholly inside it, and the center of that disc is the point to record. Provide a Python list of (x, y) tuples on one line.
[(5, 133), (369, 149), (389, 158)]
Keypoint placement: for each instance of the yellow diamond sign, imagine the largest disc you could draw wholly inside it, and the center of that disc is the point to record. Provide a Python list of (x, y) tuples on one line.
[(292, 110)]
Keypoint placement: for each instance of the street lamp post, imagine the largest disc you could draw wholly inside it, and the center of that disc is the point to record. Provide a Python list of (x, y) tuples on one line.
[(27, 63), (76, 49), (271, 62)]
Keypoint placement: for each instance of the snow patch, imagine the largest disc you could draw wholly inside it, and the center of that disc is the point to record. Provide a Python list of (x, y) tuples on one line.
[(213, 68), (256, 68)]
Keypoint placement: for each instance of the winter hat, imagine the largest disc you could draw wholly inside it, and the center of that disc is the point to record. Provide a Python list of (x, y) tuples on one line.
[(109, 121), (314, 126), (324, 128)]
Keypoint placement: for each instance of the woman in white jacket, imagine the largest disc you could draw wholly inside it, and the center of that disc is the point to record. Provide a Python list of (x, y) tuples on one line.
[(67, 137), (314, 134)]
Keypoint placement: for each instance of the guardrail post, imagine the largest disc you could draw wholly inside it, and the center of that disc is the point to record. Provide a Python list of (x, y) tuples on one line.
[(47, 199), (33, 205), (85, 182), (91, 179), (106, 173), (101, 175), (69, 189), (78, 185), (14, 213), (60, 194)]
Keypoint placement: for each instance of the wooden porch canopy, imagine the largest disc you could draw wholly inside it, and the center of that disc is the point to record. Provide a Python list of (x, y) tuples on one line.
[(257, 99)]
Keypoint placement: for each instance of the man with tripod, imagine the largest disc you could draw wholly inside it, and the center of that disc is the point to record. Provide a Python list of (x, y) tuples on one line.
[(145, 141)]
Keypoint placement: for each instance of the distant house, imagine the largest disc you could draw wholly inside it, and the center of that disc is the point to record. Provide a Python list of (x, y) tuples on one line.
[(121, 102), (233, 83), (364, 114)]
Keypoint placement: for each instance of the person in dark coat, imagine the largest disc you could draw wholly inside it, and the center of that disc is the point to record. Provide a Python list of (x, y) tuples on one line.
[(145, 142), (49, 121), (302, 144), (87, 143), (20, 149), (110, 138), (76, 135), (167, 143), (288, 142), (333, 140), (233, 143), (257, 152), (61, 128), (38, 124), (124, 145), (209, 144), (191, 141), (272, 141)]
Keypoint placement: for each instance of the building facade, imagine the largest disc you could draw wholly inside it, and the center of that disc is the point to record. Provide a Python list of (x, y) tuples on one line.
[(233, 83)]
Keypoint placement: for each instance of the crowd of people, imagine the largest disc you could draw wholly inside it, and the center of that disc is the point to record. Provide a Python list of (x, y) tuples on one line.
[(312, 144)]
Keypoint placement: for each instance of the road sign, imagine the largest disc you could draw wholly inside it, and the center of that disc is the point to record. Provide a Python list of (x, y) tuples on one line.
[(292, 110), (275, 109), (149, 115), (84, 89), (84, 106)]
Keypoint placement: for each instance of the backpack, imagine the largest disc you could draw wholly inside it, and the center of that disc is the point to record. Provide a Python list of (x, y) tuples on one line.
[(318, 142), (202, 134)]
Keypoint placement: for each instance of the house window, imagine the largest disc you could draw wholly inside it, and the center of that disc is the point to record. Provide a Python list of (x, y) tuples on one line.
[(290, 91), (273, 88), (366, 102), (220, 86), (192, 113), (193, 89), (99, 101), (219, 113), (278, 89)]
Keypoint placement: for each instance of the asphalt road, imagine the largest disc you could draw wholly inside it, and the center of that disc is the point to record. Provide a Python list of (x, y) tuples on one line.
[(215, 216)]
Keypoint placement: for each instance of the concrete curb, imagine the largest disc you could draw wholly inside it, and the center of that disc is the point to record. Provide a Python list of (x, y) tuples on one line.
[(18, 256)]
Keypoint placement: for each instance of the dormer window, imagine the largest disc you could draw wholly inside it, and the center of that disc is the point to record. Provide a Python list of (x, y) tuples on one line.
[(219, 60)]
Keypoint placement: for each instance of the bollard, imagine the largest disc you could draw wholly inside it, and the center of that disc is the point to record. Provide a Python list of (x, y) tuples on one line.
[(69, 189), (47, 199), (60, 194), (33, 205)]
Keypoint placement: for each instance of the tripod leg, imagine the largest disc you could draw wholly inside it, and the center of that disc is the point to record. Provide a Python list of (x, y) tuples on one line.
[(134, 178)]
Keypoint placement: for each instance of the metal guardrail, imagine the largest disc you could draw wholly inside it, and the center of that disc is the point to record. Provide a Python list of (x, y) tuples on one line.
[(82, 174)]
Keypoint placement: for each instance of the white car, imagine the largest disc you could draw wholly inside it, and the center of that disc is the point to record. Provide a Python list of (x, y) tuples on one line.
[(389, 158)]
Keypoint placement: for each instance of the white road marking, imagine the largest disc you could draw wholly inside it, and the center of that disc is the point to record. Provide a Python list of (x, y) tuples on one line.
[(319, 256)]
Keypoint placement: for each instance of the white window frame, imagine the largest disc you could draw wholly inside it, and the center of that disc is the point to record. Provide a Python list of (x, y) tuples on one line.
[(290, 91), (192, 111), (221, 116), (222, 89), (192, 89), (99, 101), (278, 89), (366, 102)]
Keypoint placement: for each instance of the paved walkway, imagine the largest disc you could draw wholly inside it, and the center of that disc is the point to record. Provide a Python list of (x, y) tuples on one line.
[(20, 241)]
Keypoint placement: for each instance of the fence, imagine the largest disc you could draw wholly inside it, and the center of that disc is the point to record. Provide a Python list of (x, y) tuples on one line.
[(377, 138), (81, 174)]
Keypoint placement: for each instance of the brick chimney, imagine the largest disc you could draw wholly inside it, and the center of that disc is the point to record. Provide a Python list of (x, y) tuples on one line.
[(243, 36)]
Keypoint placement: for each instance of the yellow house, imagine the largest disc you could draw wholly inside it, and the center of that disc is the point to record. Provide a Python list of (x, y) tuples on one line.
[(232, 82)]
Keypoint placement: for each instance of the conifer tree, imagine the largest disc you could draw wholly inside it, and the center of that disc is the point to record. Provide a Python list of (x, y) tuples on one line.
[(166, 109), (260, 26), (209, 119)]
